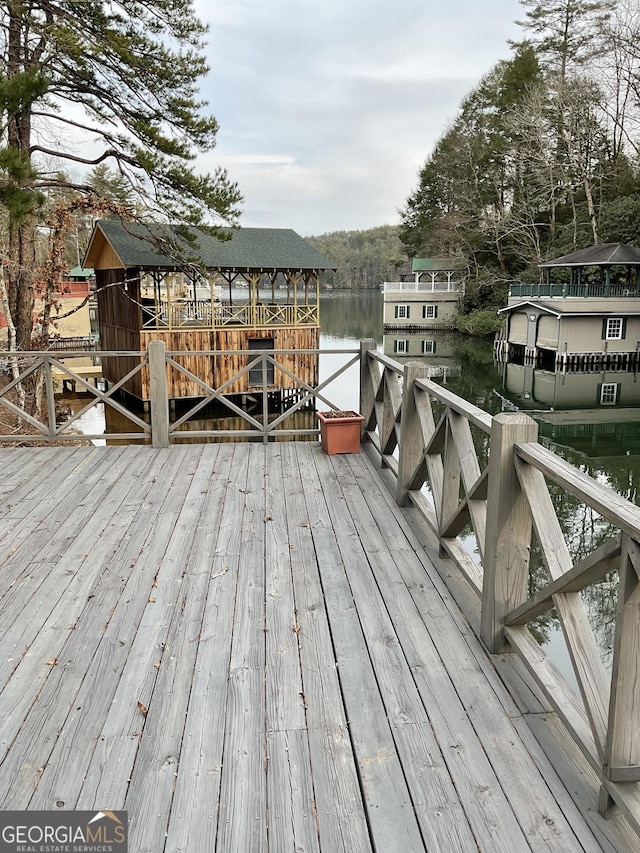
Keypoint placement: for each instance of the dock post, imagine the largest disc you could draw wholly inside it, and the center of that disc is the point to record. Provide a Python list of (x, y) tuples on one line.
[(411, 445), (508, 530), (159, 394), (367, 396)]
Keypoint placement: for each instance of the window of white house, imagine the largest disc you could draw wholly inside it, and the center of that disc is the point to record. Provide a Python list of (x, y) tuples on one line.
[(428, 347), (608, 394), (614, 329), (401, 347), (402, 312), (429, 312)]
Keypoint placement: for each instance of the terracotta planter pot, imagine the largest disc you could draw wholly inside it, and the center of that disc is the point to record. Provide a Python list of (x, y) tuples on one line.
[(340, 431)]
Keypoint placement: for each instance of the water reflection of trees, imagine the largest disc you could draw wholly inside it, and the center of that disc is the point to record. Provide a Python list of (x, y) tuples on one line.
[(356, 315), (584, 531)]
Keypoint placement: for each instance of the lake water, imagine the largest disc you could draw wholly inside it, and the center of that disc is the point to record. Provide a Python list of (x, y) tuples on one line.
[(591, 419)]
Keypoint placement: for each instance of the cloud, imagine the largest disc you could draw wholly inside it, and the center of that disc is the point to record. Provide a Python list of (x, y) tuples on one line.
[(259, 159), (327, 111)]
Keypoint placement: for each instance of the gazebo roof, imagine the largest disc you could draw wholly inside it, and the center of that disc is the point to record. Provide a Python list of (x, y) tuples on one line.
[(248, 249), (601, 255)]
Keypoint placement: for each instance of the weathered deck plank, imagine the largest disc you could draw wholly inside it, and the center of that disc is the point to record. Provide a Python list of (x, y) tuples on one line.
[(253, 651), (180, 597), (60, 647), (289, 777), (489, 816), (392, 813), (242, 821), (193, 822), (340, 812), (137, 633)]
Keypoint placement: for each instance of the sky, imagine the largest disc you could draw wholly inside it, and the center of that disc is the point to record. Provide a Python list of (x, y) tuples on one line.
[(328, 109)]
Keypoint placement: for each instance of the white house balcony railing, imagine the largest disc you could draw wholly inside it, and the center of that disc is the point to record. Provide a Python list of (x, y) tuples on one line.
[(423, 287)]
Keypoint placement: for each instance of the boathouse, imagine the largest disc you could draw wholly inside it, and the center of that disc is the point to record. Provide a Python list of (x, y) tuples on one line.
[(425, 298), (228, 291), (586, 312), (70, 320)]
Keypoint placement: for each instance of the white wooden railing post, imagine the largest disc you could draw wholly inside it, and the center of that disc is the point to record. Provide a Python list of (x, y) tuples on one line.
[(411, 449), (508, 531), (159, 390), (366, 397)]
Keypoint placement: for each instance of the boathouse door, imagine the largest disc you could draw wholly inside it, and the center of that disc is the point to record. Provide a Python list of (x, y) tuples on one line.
[(255, 373)]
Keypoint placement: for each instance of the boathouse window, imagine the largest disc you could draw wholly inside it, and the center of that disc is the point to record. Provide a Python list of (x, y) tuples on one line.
[(429, 312), (609, 393), (402, 312), (428, 347), (613, 328), (401, 347), (255, 373)]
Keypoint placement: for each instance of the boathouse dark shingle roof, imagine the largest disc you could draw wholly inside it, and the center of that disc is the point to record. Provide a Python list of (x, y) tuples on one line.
[(604, 254), (268, 249)]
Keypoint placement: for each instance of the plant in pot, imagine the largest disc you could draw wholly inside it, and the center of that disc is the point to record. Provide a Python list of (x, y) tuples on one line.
[(340, 431)]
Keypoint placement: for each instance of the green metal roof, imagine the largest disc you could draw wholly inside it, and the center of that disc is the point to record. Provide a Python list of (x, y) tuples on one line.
[(267, 249), (435, 264), (80, 272)]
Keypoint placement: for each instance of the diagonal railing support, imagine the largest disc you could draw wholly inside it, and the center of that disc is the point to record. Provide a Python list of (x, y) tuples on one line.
[(411, 452)]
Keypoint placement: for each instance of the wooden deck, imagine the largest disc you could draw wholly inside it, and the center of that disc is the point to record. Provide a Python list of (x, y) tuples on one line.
[(248, 647)]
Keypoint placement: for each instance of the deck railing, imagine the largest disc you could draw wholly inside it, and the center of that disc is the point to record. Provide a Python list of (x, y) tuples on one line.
[(463, 470), (161, 424), (462, 467), (453, 286)]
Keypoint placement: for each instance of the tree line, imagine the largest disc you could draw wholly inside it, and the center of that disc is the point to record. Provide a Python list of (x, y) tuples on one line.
[(364, 259)]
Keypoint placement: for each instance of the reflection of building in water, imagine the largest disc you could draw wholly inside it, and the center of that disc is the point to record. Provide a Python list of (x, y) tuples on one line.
[(603, 405), (425, 298), (433, 348)]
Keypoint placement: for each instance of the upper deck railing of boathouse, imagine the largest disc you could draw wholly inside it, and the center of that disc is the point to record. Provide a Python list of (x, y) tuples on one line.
[(563, 291), (202, 313), (461, 469)]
